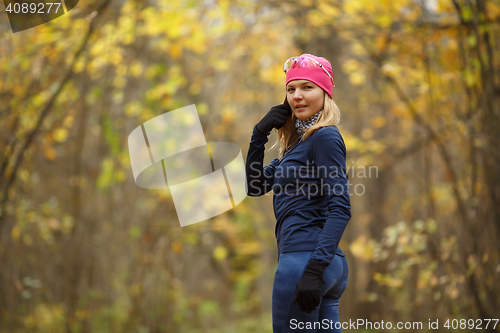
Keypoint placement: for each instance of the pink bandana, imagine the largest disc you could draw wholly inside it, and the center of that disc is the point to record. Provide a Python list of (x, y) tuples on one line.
[(315, 74)]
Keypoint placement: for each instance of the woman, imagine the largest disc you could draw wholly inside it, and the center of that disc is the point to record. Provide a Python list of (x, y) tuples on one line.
[(310, 197)]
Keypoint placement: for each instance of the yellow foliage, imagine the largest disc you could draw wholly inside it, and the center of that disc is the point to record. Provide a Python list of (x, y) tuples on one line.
[(328, 10), (133, 108), (221, 64), (197, 42), (228, 115), (390, 69), (399, 110), (381, 42), (357, 78), (362, 248), (50, 153), (367, 133), (316, 18), (121, 70), (176, 50), (424, 279), (79, 65), (378, 122), (492, 10), (249, 248), (24, 175), (136, 68), (195, 89), (202, 108), (46, 317), (358, 49), (115, 56), (387, 280), (353, 7), (384, 20), (69, 121), (220, 253), (350, 66), (119, 81), (15, 233), (273, 75), (176, 246)]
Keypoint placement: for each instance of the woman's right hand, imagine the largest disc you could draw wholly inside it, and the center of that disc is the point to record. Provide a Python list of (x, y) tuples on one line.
[(275, 118)]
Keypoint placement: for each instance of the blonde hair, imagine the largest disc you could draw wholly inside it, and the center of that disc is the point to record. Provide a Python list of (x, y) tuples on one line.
[(288, 136)]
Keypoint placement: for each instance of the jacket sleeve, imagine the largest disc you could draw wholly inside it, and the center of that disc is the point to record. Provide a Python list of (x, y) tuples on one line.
[(330, 154), (259, 179)]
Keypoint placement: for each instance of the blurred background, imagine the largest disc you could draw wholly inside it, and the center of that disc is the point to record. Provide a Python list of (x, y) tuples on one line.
[(83, 249)]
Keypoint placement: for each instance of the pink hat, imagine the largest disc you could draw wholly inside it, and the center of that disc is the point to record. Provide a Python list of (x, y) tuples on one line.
[(315, 74)]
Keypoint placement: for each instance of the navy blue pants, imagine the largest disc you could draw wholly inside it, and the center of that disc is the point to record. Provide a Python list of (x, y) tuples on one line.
[(288, 317)]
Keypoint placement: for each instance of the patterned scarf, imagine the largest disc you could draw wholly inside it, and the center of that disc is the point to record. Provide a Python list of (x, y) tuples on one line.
[(301, 125)]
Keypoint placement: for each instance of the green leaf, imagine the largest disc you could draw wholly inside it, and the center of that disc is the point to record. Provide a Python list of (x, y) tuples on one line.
[(135, 232), (466, 13)]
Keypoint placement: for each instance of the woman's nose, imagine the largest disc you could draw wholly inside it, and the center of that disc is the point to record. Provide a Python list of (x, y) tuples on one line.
[(297, 95)]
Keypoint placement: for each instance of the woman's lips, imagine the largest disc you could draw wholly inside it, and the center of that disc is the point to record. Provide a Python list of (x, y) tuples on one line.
[(301, 108)]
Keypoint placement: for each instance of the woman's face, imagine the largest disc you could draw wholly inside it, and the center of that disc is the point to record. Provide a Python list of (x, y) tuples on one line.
[(305, 98)]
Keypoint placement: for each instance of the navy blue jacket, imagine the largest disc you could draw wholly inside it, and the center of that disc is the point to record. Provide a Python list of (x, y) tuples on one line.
[(311, 191)]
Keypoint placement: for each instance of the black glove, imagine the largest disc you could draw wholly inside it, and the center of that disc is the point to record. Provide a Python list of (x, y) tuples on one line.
[(275, 118), (308, 290)]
